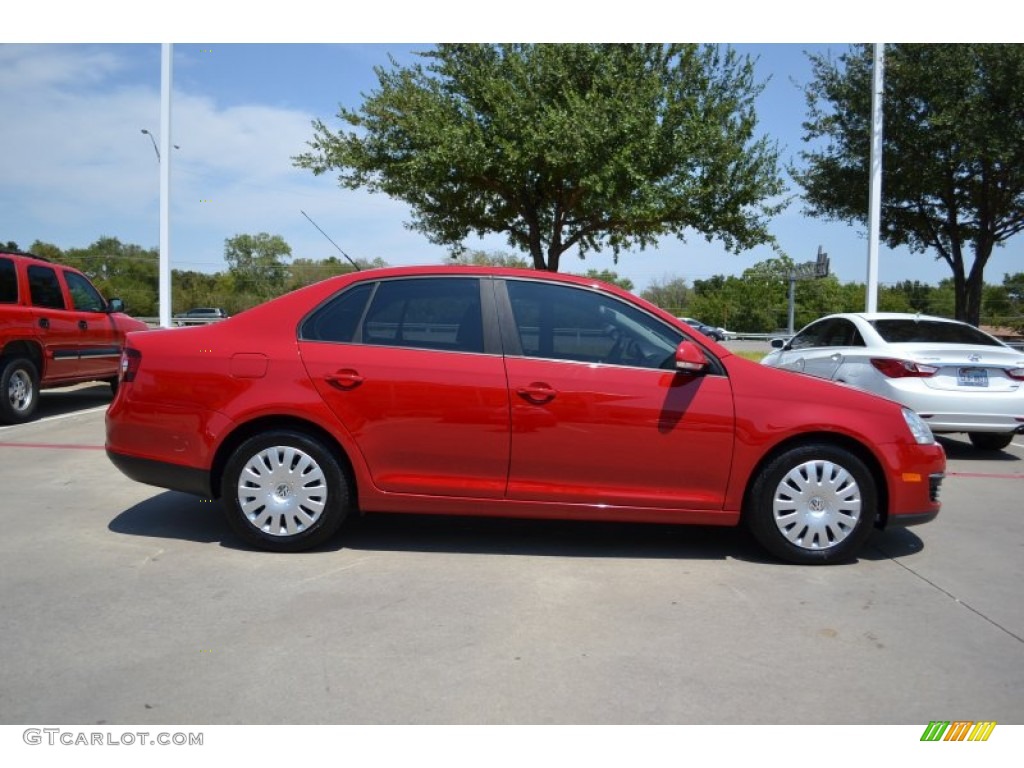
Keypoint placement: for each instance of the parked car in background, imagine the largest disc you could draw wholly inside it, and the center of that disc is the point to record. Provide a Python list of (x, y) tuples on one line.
[(718, 334), (199, 316), (55, 330), (504, 392), (957, 378)]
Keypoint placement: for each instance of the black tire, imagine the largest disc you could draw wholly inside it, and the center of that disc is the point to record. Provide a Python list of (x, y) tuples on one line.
[(19, 390), (113, 385), (285, 491), (814, 504), (990, 441)]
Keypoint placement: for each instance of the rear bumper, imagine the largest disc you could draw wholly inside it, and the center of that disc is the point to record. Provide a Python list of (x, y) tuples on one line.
[(162, 474)]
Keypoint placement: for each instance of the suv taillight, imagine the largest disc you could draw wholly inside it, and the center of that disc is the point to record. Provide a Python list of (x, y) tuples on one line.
[(131, 359), (902, 369)]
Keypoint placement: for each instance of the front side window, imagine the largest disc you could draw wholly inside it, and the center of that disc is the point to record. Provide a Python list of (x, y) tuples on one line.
[(567, 323), (811, 336), (44, 288), (8, 282), (84, 295), (441, 313)]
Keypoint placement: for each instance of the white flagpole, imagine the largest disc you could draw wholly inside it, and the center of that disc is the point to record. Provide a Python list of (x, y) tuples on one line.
[(875, 200), (165, 185)]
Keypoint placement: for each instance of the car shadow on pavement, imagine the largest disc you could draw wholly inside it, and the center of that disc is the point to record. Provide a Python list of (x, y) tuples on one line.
[(962, 449), (172, 515), (58, 402)]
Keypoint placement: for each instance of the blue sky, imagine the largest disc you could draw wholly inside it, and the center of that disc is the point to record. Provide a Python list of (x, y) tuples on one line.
[(75, 165)]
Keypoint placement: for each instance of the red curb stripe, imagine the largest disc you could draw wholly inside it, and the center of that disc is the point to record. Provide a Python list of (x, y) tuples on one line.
[(53, 446)]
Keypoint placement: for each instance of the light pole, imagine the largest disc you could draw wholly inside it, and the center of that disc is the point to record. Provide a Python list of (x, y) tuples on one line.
[(155, 149), (154, 144)]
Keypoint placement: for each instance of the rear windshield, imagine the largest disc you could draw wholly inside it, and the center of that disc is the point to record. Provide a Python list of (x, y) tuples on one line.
[(907, 331)]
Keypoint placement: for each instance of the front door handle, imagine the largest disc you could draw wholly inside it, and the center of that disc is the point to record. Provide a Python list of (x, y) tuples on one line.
[(44, 322), (83, 325), (344, 379), (537, 393)]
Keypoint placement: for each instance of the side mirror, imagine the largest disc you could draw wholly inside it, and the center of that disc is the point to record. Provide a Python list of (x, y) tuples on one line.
[(115, 305), (690, 358), (778, 343)]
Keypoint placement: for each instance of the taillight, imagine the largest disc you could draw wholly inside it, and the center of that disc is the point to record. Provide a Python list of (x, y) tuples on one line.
[(1016, 373), (903, 369), (131, 359)]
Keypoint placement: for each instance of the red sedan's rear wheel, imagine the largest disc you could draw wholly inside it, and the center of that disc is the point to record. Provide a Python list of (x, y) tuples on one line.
[(285, 491)]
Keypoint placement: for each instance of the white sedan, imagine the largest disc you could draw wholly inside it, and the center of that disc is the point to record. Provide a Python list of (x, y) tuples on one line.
[(957, 378)]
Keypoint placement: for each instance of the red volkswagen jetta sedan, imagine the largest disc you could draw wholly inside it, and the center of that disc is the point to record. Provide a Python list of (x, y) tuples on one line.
[(479, 391)]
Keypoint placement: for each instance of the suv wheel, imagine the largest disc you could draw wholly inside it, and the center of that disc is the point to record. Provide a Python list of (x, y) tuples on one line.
[(19, 390)]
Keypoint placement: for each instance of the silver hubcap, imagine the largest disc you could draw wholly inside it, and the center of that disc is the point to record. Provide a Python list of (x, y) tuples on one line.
[(282, 491), (817, 505), (19, 391)]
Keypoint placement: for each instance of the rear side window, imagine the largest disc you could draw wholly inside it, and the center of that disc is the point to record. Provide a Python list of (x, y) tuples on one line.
[(44, 288), (338, 320), (8, 282), (84, 295), (440, 313)]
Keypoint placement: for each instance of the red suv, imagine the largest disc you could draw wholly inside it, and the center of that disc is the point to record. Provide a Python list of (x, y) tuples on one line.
[(55, 329), (481, 391)]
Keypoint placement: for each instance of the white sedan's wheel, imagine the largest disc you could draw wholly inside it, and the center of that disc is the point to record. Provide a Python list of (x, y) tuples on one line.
[(812, 504), (284, 491)]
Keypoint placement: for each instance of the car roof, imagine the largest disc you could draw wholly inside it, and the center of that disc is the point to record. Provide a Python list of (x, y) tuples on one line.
[(872, 316)]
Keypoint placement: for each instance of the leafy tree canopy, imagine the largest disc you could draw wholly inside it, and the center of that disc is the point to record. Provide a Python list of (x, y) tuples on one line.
[(953, 156), (255, 263), (563, 146)]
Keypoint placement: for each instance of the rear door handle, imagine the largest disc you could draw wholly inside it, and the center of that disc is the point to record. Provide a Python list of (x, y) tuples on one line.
[(83, 325), (44, 322), (537, 393), (344, 379)]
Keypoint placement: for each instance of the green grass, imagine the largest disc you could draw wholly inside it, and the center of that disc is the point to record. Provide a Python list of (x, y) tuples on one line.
[(755, 356)]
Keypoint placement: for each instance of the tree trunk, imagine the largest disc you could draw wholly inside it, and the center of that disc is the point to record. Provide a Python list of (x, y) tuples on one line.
[(969, 295)]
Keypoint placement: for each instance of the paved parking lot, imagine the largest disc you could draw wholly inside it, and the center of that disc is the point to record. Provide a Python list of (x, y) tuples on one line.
[(124, 604)]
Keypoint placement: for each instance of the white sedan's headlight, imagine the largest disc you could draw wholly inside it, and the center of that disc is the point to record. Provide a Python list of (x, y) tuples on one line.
[(922, 432)]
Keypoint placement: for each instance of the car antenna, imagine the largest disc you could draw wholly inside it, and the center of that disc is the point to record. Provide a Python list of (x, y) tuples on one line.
[(331, 241)]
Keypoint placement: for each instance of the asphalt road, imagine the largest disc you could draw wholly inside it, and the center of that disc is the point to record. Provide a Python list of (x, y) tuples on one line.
[(124, 604)]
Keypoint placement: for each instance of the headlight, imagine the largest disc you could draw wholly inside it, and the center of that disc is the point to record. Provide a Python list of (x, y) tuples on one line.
[(922, 432)]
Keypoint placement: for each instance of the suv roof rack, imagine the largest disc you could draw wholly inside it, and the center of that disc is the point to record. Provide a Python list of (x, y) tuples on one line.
[(16, 252)]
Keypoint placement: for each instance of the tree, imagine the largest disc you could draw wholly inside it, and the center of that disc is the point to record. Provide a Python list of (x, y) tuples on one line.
[(671, 294), (953, 156), (610, 276), (563, 146), (255, 263), (487, 259)]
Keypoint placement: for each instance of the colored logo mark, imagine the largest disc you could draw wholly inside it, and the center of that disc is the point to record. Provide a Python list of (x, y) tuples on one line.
[(958, 730)]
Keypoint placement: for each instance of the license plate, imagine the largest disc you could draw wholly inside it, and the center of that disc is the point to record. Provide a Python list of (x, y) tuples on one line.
[(972, 377)]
